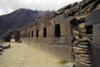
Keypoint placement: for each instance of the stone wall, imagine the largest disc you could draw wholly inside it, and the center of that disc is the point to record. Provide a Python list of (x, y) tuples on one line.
[(54, 31)]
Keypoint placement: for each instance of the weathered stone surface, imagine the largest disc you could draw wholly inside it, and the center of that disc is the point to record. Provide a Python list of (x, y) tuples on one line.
[(90, 36), (68, 65), (93, 18), (77, 48), (72, 11), (52, 15), (82, 28), (85, 61), (75, 43), (76, 33), (98, 6), (60, 11), (74, 4), (85, 58), (95, 54), (79, 64), (58, 19), (67, 6), (96, 34), (81, 20), (5, 46)]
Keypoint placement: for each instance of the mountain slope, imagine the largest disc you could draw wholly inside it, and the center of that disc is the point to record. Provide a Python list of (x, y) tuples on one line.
[(19, 19)]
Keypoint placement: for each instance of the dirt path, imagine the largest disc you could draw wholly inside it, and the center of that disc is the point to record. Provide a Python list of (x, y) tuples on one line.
[(20, 55)]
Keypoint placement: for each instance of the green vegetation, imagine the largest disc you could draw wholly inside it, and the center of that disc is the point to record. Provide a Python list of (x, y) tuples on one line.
[(63, 62)]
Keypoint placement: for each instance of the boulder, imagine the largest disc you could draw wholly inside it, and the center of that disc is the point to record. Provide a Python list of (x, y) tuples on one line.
[(6, 45)]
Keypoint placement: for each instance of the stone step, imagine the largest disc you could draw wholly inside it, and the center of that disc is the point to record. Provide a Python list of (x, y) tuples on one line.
[(84, 43), (85, 58), (81, 64), (83, 46), (84, 55), (81, 56), (84, 61), (83, 40), (81, 49), (77, 48), (77, 57), (79, 52)]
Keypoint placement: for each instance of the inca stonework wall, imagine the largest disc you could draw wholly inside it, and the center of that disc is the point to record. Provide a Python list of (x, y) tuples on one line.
[(55, 30)]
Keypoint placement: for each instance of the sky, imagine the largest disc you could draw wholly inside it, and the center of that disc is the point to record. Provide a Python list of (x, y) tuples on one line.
[(8, 6)]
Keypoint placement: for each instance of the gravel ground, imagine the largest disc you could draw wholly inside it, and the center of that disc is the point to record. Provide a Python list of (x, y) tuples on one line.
[(20, 55)]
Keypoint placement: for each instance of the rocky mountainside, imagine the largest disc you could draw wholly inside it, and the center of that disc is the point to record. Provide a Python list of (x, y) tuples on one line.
[(19, 19), (83, 7)]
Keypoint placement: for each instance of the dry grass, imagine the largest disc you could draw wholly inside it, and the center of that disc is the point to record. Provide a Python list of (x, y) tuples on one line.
[(63, 62)]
